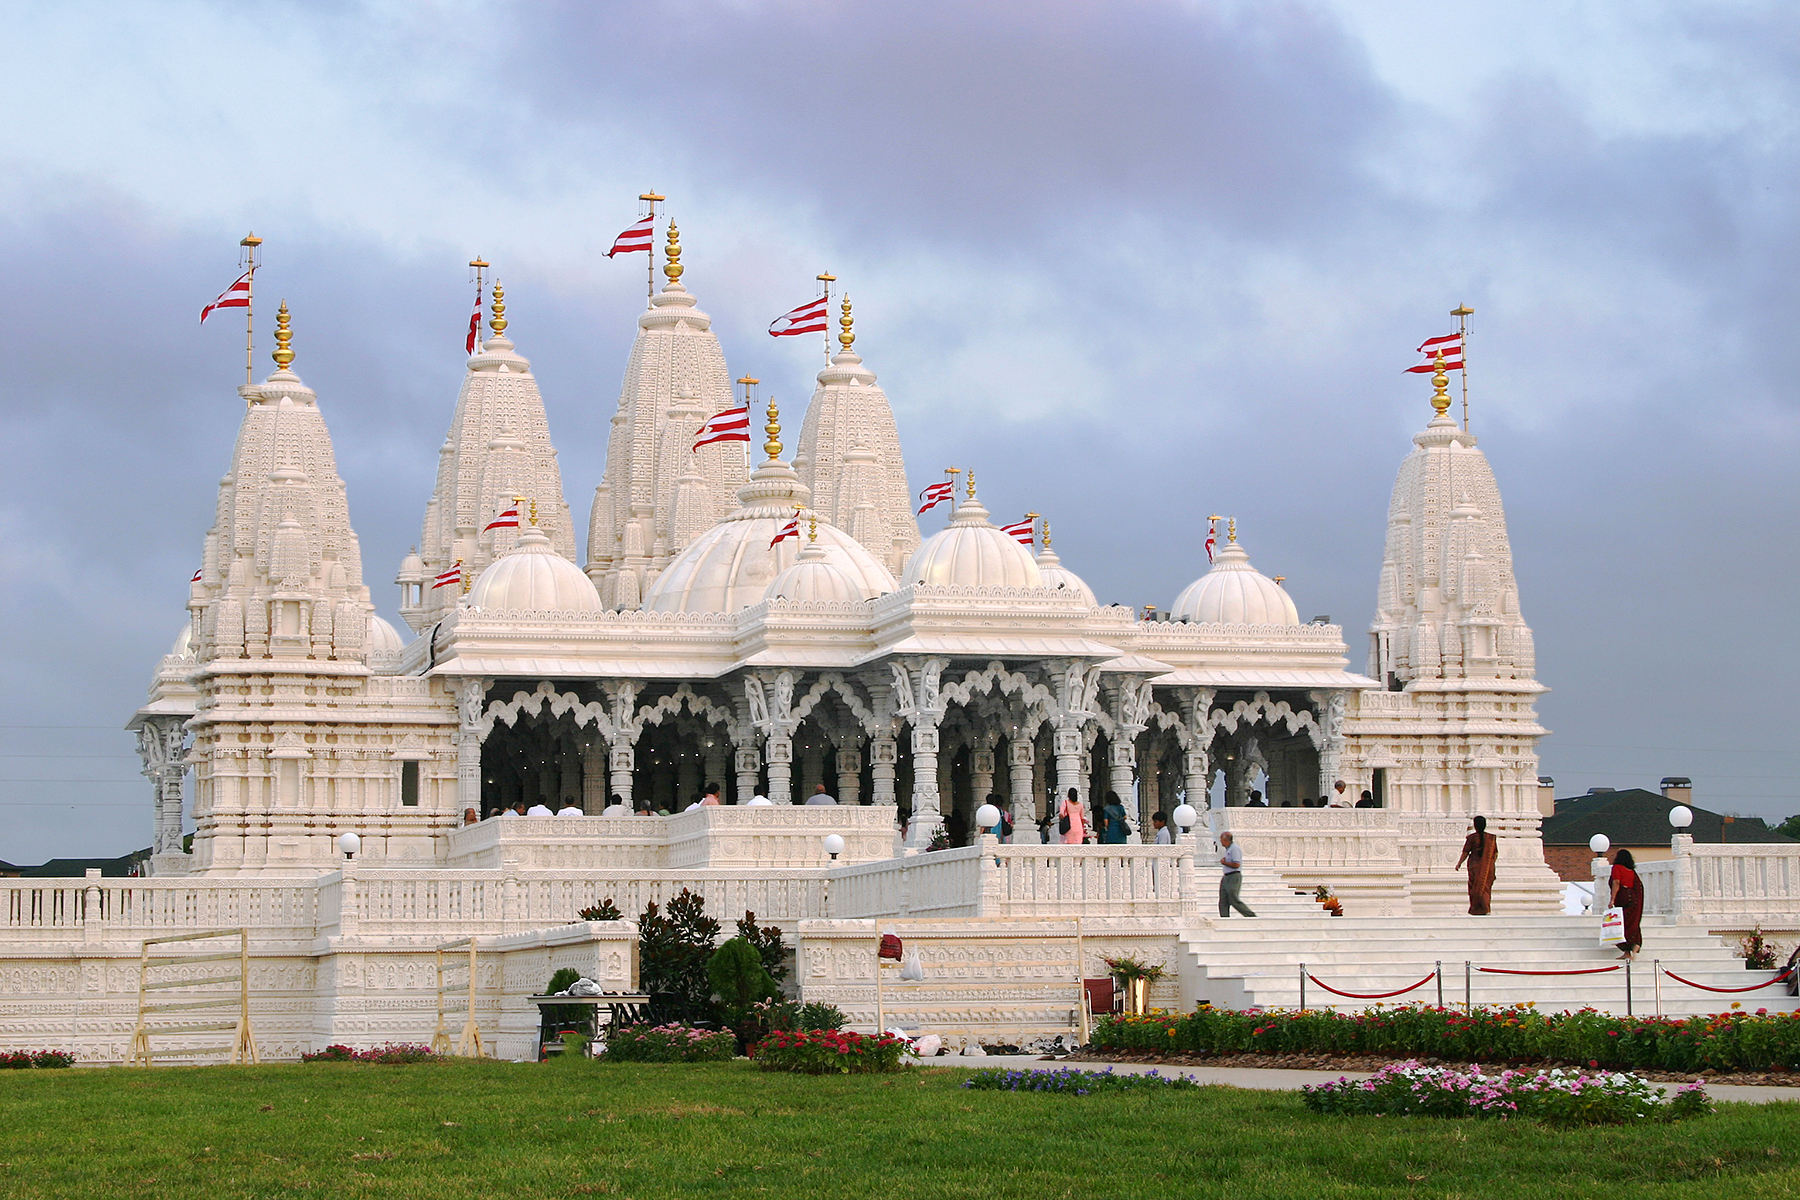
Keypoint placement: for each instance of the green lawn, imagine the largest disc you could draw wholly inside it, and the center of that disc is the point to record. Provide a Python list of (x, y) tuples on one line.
[(446, 1131)]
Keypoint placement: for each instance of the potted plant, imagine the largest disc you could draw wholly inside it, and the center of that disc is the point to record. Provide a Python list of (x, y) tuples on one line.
[(1136, 976), (1327, 901), (1757, 953)]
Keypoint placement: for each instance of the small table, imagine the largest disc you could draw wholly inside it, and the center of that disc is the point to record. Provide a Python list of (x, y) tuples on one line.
[(623, 1006)]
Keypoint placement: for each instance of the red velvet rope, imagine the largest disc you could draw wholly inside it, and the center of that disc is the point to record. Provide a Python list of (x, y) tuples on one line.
[(1587, 971), (1371, 995), (1753, 987)]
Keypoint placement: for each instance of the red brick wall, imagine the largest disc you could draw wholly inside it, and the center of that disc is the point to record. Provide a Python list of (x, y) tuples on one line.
[(1571, 863)]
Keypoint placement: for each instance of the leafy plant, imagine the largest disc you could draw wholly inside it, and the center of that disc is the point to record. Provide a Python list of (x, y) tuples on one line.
[(828, 1052), (1071, 1082), (387, 1054), (767, 941), (1757, 952), (673, 951), (564, 1014), (1128, 967), (1555, 1097), (737, 975), (606, 910), (21, 1060), (672, 1042), (939, 840)]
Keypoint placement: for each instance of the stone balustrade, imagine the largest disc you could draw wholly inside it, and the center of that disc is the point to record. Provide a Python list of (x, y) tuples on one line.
[(992, 880), (1725, 886), (51, 911)]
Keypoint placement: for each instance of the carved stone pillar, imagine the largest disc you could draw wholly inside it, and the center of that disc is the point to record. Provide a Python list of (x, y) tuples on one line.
[(884, 752), (981, 771), (1331, 740), (623, 761), (593, 777), (718, 758), (927, 818), (749, 769), (1123, 761), (1198, 771), (1024, 802), (1237, 778), (1069, 753), (781, 768), (471, 699), (849, 776)]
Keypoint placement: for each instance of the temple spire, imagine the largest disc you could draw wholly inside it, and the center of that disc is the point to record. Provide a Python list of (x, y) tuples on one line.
[(284, 337)]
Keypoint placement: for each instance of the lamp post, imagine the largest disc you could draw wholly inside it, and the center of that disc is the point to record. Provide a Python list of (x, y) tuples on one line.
[(1600, 869), (1681, 845), (349, 843), (834, 845), (987, 819)]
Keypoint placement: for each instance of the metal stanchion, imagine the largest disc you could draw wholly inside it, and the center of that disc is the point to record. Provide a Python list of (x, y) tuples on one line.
[(1302, 987), (1656, 974), (1466, 976), (1628, 1011), (1440, 982)]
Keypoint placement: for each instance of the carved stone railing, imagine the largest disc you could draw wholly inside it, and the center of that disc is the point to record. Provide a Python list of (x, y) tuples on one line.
[(54, 910), (1726, 886), (992, 880), (1286, 838)]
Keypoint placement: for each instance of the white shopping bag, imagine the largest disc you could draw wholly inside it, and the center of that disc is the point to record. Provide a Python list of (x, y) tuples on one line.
[(1612, 927)]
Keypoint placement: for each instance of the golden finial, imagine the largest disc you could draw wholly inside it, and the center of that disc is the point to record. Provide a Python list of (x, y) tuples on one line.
[(534, 512), (497, 322), (772, 447), (812, 528), (284, 337), (847, 338), (464, 575), (1046, 533), (1280, 579), (970, 483), (672, 268), (652, 197), (748, 382), (1440, 381), (251, 241), (1231, 529)]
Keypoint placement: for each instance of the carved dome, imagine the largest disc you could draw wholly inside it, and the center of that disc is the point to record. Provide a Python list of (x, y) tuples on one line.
[(184, 641), (731, 565), (382, 640), (1055, 575), (534, 577), (970, 552), (1234, 593), (814, 578)]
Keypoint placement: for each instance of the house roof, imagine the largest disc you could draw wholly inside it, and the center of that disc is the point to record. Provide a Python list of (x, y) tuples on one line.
[(75, 868), (1635, 817)]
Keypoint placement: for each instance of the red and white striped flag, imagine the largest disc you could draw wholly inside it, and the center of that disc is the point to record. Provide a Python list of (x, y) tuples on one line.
[(732, 425), (1450, 346), (1212, 536), (449, 578), (235, 296), (506, 520), (1023, 532), (639, 237), (790, 530), (935, 495), (197, 575), (474, 324), (808, 318)]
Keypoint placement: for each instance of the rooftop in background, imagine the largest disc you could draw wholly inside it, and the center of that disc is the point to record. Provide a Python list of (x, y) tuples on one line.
[(74, 868), (1635, 817)]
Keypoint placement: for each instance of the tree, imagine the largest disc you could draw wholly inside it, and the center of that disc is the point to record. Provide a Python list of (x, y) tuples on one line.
[(1790, 827), (767, 941), (673, 950)]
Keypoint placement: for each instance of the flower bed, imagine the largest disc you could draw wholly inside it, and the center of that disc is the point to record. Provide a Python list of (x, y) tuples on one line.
[(388, 1053), (1070, 1082), (827, 1052), (1554, 1097), (1729, 1041), (19, 1060), (669, 1043)]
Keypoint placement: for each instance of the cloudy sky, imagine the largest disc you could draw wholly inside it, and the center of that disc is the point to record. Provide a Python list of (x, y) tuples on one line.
[(1137, 262)]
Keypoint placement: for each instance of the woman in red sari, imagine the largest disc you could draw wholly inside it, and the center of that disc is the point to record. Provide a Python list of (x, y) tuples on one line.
[(1481, 849), (1628, 894)]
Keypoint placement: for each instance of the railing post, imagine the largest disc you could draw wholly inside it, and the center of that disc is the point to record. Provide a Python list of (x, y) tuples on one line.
[(1628, 1011), (1684, 903), (1656, 974), (1440, 982), (1302, 987), (1467, 975)]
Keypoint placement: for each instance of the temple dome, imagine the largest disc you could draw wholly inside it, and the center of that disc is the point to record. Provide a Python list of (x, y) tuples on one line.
[(382, 640), (533, 577), (1234, 593), (814, 578), (184, 641), (971, 552), (1055, 575), (731, 565)]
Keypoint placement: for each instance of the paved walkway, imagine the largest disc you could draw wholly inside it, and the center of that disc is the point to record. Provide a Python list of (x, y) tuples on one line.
[(1273, 1079)]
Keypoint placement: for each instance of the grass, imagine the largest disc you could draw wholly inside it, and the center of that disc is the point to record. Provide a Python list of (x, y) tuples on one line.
[(446, 1131)]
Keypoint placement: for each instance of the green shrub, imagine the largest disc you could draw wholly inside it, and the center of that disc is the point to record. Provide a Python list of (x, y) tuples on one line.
[(827, 1052), (1071, 1082), (673, 950), (669, 1043), (767, 941), (1728, 1041), (387, 1054), (606, 910), (21, 1060)]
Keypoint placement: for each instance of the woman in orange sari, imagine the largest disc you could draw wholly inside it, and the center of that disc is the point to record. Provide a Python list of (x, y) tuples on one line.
[(1481, 849)]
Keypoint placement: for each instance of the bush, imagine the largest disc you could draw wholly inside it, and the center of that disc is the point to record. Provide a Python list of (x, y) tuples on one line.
[(1728, 1041), (1070, 1082), (673, 951), (1554, 1097), (21, 1060), (669, 1043), (768, 944), (606, 910), (827, 1052), (388, 1054)]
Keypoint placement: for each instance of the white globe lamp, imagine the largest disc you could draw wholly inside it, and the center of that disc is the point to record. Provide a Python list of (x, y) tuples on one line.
[(349, 843), (834, 845), (1185, 816), (986, 817), (1599, 843), (1681, 816)]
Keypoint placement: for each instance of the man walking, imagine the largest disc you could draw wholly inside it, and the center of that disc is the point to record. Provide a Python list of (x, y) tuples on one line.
[(1232, 881)]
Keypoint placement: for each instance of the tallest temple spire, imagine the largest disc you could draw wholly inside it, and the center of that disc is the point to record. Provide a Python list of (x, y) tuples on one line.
[(675, 379)]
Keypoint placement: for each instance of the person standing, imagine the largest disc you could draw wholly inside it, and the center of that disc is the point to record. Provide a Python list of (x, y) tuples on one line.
[(1114, 828), (1071, 820), (1160, 821), (1481, 850), (710, 795), (1231, 883), (820, 795), (1628, 895)]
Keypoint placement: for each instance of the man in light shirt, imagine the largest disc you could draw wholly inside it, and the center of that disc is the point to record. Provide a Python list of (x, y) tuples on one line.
[(1232, 881), (570, 809), (540, 810), (1163, 836), (820, 795)]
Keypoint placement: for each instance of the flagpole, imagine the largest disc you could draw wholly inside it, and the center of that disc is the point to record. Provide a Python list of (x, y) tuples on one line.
[(748, 383), (827, 278), (650, 280), (1462, 313), (250, 243)]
